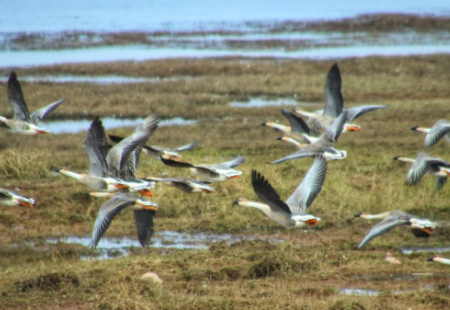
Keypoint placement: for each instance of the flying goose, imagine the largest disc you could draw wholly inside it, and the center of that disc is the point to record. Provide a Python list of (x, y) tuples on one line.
[(420, 227), (423, 164), (144, 211), (435, 133), (323, 146), (292, 212), (9, 198), (154, 151), (23, 122), (334, 106), (439, 260), (114, 170), (298, 129), (183, 184), (208, 172)]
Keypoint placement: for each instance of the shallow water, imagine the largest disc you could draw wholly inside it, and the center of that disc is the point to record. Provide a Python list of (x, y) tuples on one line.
[(117, 247), (259, 102), (121, 15), (80, 125), (432, 250), (141, 53), (107, 79)]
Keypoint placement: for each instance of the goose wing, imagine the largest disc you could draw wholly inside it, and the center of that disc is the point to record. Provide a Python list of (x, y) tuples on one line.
[(385, 226), (311, 150), (297, 124), (315, 127), (229, 164), (144, 225), (440, 182), (356, 112), (334, 102), (4, 193), (40, 114), (440, 129), (267, 194), (96, 146), (176, 163), (16, 98), (420, 167), (131, 164), (333, 132), (118, 155), (310, 187), (186, 147), (106, 214)]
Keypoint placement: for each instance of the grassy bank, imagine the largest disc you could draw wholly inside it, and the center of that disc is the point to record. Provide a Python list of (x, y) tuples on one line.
[(306, 271)]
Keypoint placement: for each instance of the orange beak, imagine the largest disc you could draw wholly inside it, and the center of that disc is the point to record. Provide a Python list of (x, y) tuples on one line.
[(312, 222), (207, 191), (146, 192), (120, 186), (352, 128), (150, 208), (234, 177), (40, 132), (428, 230), (26, 204)]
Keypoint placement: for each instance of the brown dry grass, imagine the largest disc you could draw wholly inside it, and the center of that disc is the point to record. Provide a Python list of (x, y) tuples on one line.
[(308, 270)]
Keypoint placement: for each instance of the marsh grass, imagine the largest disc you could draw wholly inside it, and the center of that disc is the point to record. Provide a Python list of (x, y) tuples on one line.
[(308, 269)]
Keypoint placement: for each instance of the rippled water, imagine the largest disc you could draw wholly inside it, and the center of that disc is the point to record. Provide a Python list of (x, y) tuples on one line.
[(79, 125)]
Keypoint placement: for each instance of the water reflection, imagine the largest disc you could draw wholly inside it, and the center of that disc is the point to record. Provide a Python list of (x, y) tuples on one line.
[(256, 102), (107, 79), (79, 125), (27, 58), (118, 247), (431, 250)]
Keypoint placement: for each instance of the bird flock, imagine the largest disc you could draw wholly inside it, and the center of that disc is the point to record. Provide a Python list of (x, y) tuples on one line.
[(112, 169)]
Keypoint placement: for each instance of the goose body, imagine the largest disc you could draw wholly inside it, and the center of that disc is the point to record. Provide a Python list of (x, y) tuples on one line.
[(208, 172), (12, 199), (114, 170), (155, 151), (323, 146), (439, 130), (438, 259), (426, 164), (291, 213), (183, 184), (144, 212), (24, 122), (420, 227), (334, 106), (298, 129)]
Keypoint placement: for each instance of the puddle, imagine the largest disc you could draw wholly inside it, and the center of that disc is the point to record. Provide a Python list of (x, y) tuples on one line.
[(421, 250), (358, 292), (80, 125), (27, 58), (108, 79), (256, 102), (117, 247)]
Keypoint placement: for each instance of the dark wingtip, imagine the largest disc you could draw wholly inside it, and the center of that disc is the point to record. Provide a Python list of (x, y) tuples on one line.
[(431, 259), (236, 202), (414, 128), (264, 124), (12, 76), (279, 138), (396, 157), (86, 194), (57, 170), (358, 214)]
